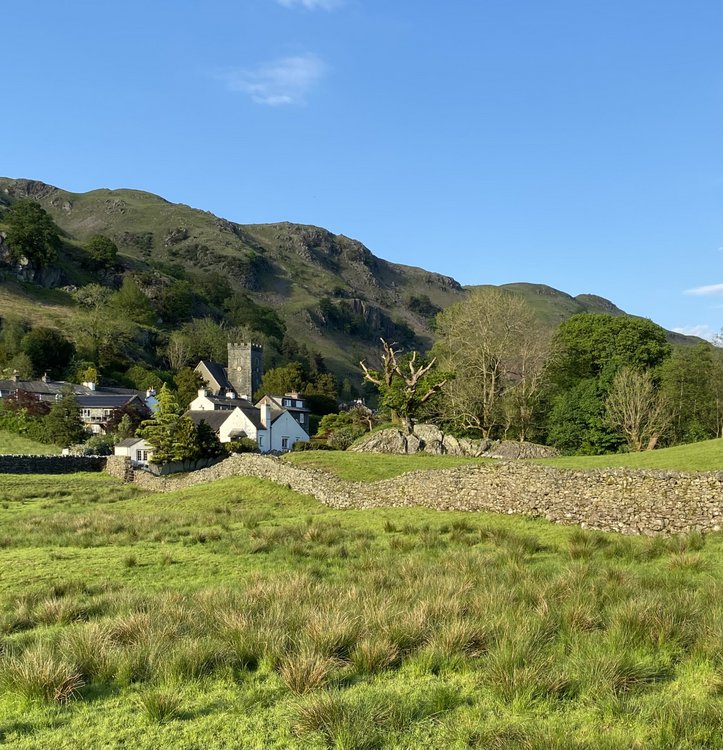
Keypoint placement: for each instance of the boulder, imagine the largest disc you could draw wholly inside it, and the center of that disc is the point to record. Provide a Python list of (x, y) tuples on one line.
[(384, 441), (428, 433)]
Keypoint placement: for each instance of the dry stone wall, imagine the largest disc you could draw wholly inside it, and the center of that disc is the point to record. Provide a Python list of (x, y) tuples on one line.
[(50, 464), (621, 500)]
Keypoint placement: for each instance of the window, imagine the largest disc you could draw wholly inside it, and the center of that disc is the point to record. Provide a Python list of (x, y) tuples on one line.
[(299, 404), (286, 402), (301, 418), (261, 441), (141, 455), (284, 443)]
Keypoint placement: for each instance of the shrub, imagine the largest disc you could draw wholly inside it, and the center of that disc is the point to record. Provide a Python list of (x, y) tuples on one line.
[(241, 445)]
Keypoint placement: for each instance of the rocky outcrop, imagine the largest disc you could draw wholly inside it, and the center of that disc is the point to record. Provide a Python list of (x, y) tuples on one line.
[(428, 438), (24, 270)]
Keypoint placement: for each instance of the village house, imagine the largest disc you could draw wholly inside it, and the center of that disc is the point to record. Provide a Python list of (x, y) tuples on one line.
[(96, 403), (135, 448)]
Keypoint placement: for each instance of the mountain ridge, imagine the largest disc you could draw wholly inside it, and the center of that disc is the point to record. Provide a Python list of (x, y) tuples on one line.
[(330, 290)]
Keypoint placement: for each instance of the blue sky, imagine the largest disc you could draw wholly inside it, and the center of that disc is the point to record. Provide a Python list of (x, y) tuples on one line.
[(567, 142)]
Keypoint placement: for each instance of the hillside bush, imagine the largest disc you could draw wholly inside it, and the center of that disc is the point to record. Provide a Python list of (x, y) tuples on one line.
[(241, 445)]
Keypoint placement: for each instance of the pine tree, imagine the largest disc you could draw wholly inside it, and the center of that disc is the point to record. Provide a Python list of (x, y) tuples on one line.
[(160, 431), (63, 422)]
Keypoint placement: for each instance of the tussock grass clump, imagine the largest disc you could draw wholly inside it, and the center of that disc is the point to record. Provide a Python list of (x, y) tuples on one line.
[(522, 665), (39, 674), (89, 648), (603, 671), (344, 721), (332, 633), (374, 655), (370, 718), (160, 705), (194, 658), (305, 670), (460, 636)]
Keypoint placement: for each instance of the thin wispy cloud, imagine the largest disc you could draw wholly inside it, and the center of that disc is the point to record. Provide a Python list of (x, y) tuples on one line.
[(703, 331), (288, 80), (311, 4), (703, 290)]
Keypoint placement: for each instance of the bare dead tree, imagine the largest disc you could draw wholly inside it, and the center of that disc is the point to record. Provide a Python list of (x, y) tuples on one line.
[(637, 409), (404, 388)]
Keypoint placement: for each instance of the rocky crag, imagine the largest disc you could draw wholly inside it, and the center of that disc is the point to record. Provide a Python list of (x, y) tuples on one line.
[(428, 438)]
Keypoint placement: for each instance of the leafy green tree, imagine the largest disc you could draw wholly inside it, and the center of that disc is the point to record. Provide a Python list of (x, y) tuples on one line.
[(31, 233), (63, 423), (142, 378), (324, 384), (102, 251), (12, 333), (174, 437), (20, 365), (49, 350), (161, 429), (577, 422), (188, 382), (280, 380), (591, 345), (104, 338), (176, 302), (213, 286), (692, 382), (200, 338), (243, 312), (209, 446), (132, 304)]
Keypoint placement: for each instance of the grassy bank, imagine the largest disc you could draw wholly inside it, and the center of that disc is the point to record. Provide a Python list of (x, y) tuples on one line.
[(17, 445), (704, 456), (240, 614), (372, 467)]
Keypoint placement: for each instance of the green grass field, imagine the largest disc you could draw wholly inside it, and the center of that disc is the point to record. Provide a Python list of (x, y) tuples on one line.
[(240, 614), (372, 467), (17, 444), (704, 456)]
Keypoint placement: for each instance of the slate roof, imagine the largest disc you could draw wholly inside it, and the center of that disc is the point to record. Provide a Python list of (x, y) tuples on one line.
[(230, 403), (105, 400), (279, 400), (214, 419), (253, 415), (218, 373), (128, 442), (51, 388)]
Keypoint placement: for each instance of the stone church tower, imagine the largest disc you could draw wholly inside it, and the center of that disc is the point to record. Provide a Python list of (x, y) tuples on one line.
[(245, 368)]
